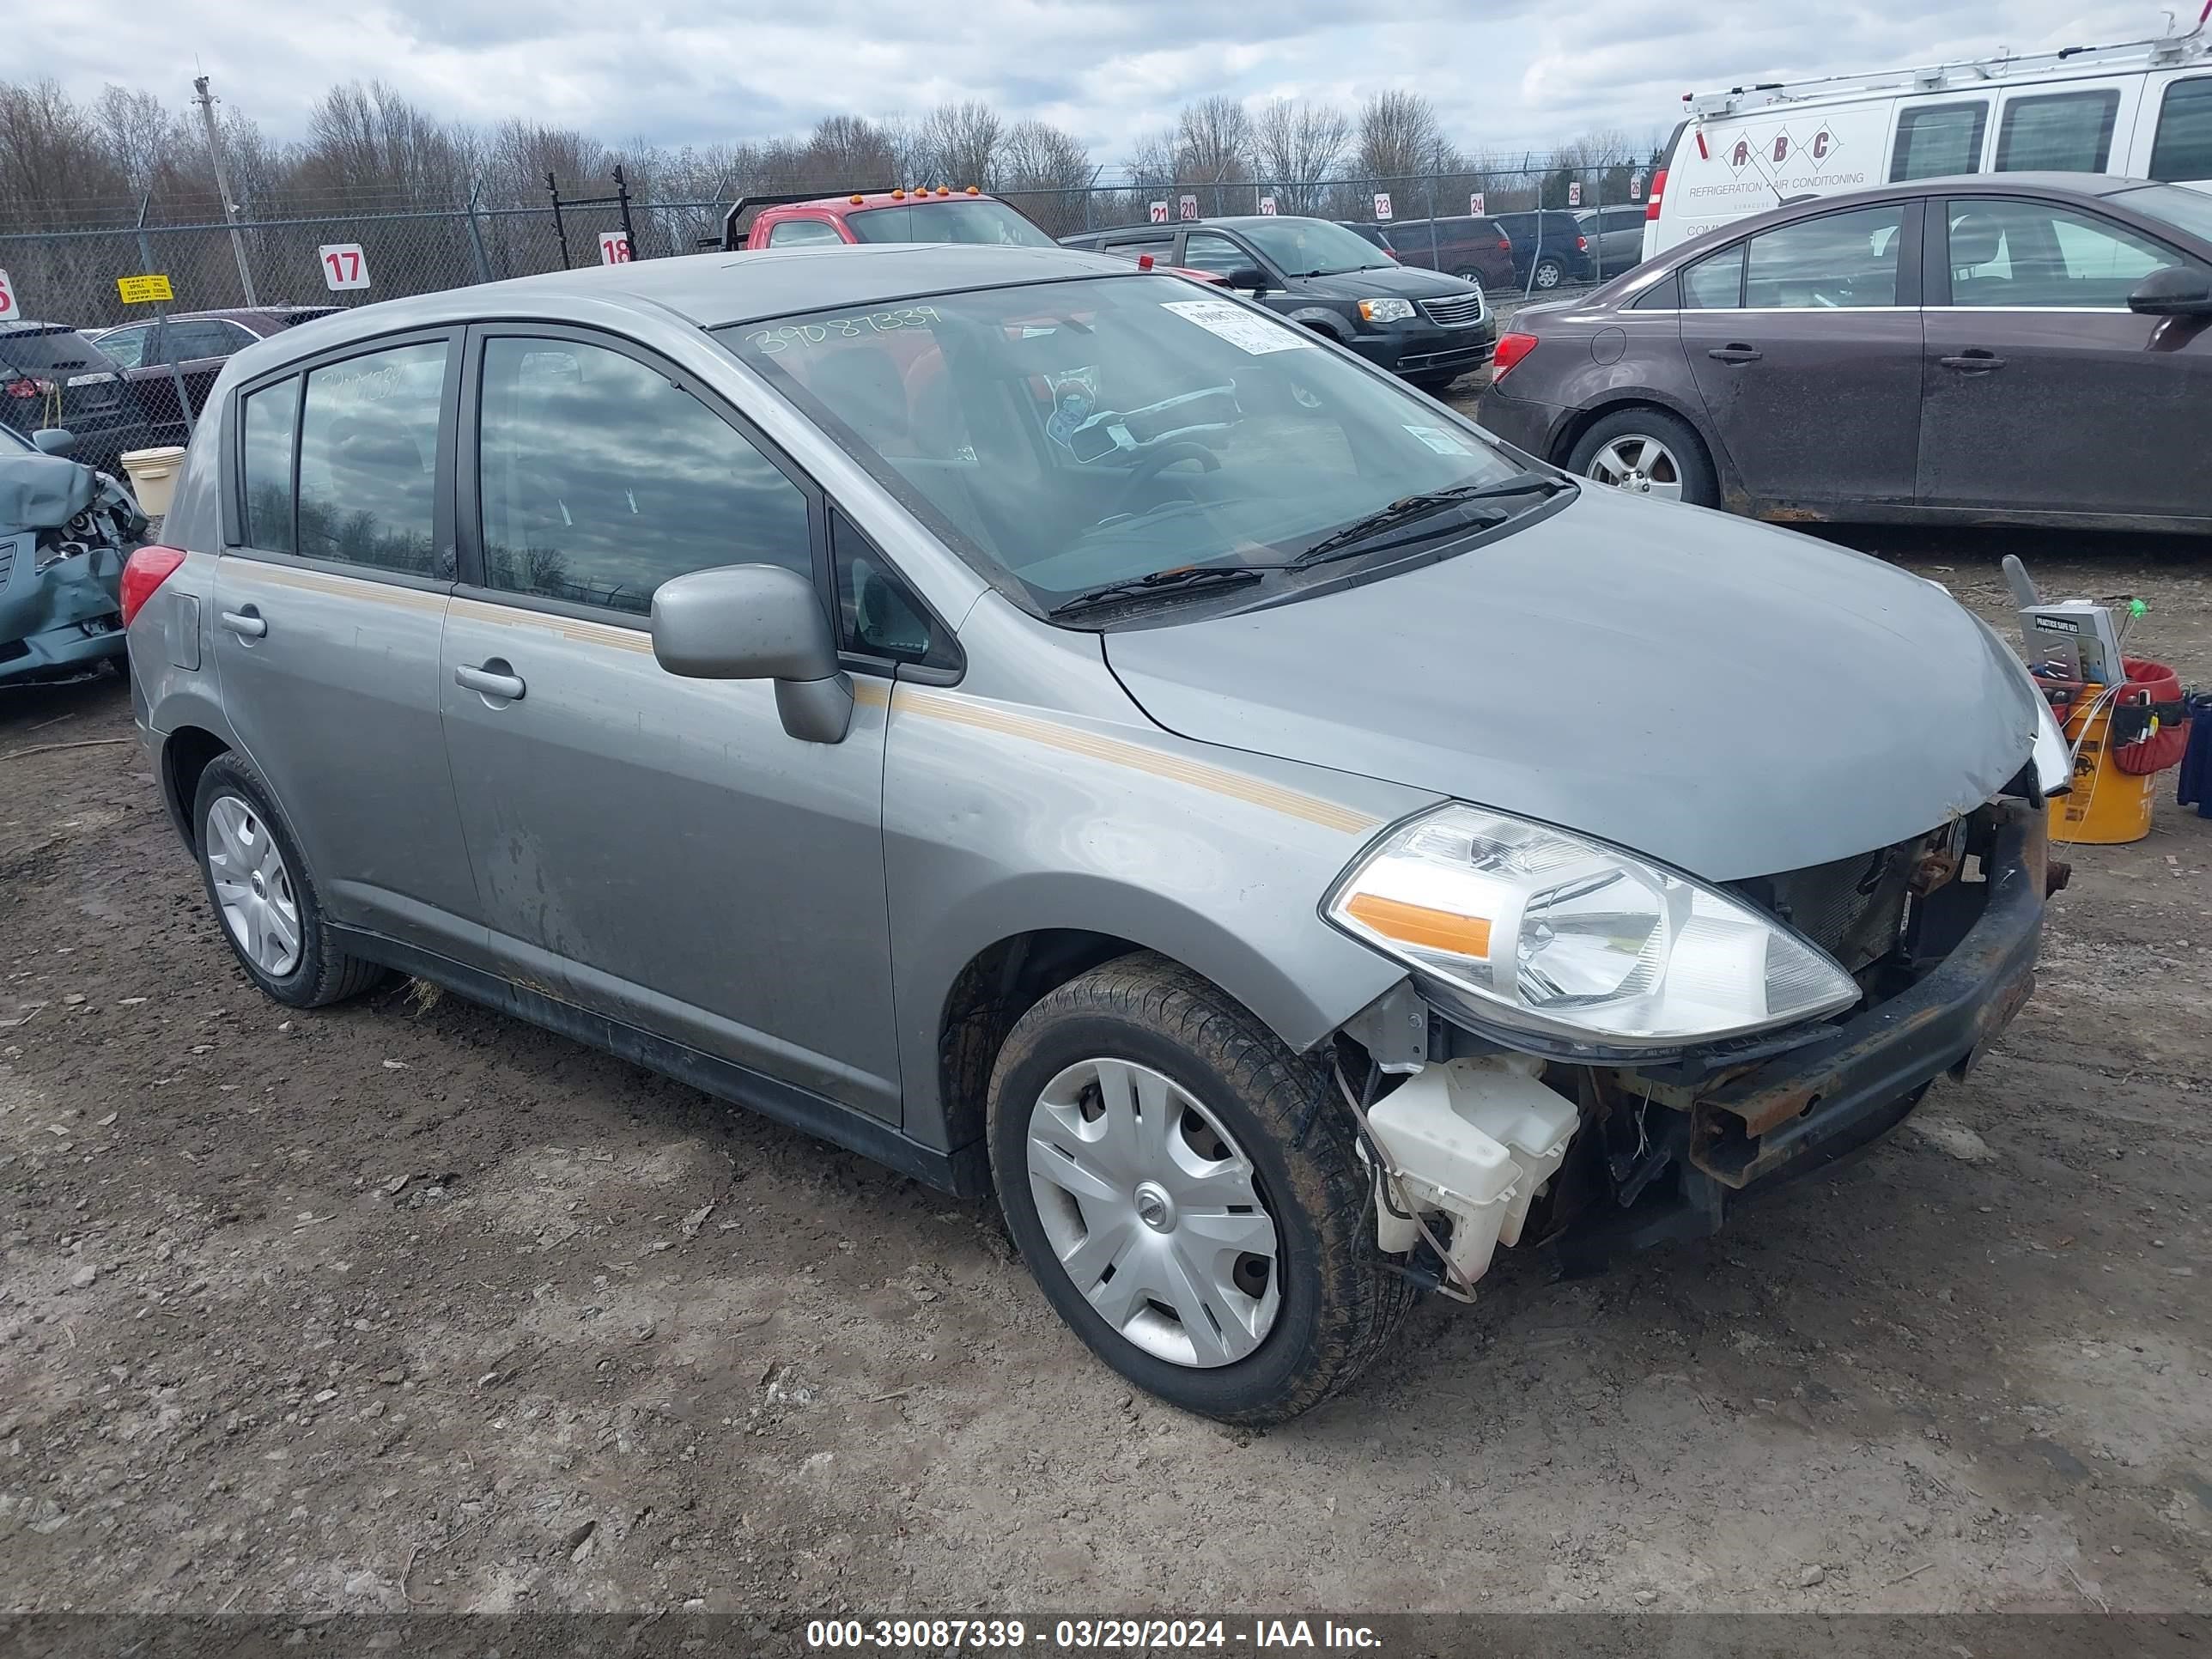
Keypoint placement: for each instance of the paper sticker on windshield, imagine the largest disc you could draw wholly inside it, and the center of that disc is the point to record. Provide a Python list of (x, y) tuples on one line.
[(1074, 400), (1443, 442), (1248, 333)]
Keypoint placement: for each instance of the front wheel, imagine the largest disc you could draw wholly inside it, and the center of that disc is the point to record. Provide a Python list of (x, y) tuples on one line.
[(1186, 1191), (1647, 452)]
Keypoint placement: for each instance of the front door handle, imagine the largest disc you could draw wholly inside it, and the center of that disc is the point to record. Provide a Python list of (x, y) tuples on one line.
[(1735, 354), (246, 625), (1973, 361), (493, 680)]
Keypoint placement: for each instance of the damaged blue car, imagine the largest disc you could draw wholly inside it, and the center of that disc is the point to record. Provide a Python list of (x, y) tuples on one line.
[(65, 533)]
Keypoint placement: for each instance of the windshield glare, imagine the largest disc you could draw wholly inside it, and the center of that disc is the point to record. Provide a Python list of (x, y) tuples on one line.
[(1081, 433), (2189, 209), (1313, 247), (957, 220)]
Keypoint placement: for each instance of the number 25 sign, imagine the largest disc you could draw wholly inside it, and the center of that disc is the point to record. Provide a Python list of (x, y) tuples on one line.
[(344, 267)]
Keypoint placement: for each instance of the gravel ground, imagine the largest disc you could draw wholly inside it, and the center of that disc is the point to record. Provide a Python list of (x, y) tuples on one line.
[(406, 1304)]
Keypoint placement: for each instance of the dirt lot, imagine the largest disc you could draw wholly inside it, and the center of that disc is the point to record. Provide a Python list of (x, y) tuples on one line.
[(405, 1304)]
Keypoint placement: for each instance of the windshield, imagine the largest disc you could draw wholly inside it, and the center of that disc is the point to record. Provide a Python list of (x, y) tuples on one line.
[(1084, 433), (2189, 209), (961, 220), (1313, 247)]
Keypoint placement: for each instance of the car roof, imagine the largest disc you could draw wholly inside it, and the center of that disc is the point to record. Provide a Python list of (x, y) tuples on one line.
[(712, 290)]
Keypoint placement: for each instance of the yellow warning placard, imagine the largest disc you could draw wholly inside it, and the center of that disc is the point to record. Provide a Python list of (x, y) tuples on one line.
[(143, 290)]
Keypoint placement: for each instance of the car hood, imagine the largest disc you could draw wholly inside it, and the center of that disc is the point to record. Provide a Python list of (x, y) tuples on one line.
[(1735, 700), (1394, 281)]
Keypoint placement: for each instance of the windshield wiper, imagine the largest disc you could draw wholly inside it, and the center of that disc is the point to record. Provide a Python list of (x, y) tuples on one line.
[(1358, 535), (1182, 580)]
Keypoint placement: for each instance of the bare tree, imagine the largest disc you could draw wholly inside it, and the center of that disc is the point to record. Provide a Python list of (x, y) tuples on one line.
[(1213, 146), (1049, 174), (960, 144), (1400, 138), (1296, 144)]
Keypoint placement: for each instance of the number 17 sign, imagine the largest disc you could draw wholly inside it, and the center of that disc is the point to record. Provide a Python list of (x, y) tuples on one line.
[(344, 267)]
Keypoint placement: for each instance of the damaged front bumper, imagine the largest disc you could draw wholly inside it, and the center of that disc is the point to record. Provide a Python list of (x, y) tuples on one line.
[(1661, 1150), (57, 618)]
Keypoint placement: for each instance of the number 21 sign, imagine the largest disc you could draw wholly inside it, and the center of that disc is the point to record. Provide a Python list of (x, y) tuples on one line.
[(344, 267)]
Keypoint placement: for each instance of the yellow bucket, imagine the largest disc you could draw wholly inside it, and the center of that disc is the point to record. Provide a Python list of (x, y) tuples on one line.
[(2105, 806)]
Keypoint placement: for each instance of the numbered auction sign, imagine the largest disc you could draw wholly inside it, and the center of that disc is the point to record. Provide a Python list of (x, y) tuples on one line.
[(343, 266), (1187, 206), (1475, 204), (1159, 213), (1574, 193), (1382, 204), (613, 248), (1635, 186), (10, 308), (1268, 206)]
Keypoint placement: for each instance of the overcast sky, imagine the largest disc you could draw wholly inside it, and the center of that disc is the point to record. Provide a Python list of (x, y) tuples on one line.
[(1515, 74)]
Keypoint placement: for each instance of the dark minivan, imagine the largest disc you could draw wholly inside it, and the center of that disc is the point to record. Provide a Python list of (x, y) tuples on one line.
[(1474, 248), (2003, 348), (1426, 327), (1550, 249)]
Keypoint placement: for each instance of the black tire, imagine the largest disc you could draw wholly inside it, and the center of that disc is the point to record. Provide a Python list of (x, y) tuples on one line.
[(1338, 1306), (1548, 274), (1700, 482), (323, 974)]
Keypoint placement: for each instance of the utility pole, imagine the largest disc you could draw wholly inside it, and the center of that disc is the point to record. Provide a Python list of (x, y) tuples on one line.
[(206, 101)]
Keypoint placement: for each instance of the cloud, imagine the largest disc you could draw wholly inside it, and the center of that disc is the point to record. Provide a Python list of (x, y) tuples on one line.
[(1516, 75)]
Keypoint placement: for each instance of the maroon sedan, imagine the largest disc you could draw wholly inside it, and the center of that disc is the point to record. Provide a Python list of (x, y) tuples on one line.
[(1999, 348), (197, 343)]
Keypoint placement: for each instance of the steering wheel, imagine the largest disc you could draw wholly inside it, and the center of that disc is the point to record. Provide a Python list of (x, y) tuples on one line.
[(1155, 462)]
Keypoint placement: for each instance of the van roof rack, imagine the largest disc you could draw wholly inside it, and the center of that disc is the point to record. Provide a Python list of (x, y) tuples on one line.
[(1960, 74)]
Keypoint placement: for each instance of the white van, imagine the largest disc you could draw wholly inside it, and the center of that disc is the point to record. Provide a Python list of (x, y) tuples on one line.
[(2142, 110)]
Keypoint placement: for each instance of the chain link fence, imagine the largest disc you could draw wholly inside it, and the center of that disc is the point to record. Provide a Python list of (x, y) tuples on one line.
[(1534, 229)]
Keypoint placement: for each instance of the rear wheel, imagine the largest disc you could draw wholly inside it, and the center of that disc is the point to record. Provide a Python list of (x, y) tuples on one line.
[(1548, 272), (262, 894), (1184, 1188), (1647, 452)]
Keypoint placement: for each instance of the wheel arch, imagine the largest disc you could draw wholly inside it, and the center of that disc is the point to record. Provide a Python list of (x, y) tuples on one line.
[(1571, 430), (187, 753)]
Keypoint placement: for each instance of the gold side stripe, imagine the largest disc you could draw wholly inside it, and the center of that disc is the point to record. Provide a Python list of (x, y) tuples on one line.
[(348, 587), (568, 628), (1115, 752)]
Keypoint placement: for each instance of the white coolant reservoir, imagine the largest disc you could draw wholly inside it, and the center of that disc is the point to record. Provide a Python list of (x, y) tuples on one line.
[(1476, 1139)]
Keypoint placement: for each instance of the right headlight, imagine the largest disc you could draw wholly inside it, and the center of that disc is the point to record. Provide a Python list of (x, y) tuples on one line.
[(1541, 930)]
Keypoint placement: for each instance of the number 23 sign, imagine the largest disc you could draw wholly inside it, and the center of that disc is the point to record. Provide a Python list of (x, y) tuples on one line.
[(344, 267)]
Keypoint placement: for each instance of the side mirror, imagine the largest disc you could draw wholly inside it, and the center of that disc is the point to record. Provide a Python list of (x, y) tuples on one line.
[(756, 621), (54, 441), (1249, 277), (2172, 291)]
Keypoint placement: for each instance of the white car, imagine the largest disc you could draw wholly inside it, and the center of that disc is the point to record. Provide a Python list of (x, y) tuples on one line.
[(2142, 110)]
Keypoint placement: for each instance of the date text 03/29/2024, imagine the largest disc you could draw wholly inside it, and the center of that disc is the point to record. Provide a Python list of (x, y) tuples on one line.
[(1086, 1635)]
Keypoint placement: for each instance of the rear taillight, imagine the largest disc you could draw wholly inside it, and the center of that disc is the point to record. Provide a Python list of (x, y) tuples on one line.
[(1658, 189), (145, 570), (1505, 245), (1582, 245), (26, 388), (1511, 349)]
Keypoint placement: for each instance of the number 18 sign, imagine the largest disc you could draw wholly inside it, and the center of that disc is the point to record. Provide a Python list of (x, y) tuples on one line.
[(344, 267)]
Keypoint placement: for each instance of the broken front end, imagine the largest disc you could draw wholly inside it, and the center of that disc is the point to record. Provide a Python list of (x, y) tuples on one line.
[(1520, 1087), (65, 533)]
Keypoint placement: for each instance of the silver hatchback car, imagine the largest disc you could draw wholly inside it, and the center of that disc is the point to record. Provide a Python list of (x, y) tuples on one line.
[(1059, 730)]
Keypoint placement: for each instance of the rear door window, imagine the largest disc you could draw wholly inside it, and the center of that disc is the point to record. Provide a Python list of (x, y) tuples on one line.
[(601, 479), (1204, 250), (1715, 284), (368, 457), (2183, 149), (2060, 132), (1838, 261), (1934, 140), (266, 428)]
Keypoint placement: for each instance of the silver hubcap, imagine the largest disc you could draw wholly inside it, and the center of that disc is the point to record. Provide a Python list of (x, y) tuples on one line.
[(1547, 276), (1152, 1210), (1638, 464), (253, 888)]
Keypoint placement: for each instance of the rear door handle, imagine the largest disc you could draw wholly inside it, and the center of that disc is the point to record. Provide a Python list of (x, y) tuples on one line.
[(1735, 354), (493, 681), (1976, 362), (247, 623)]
